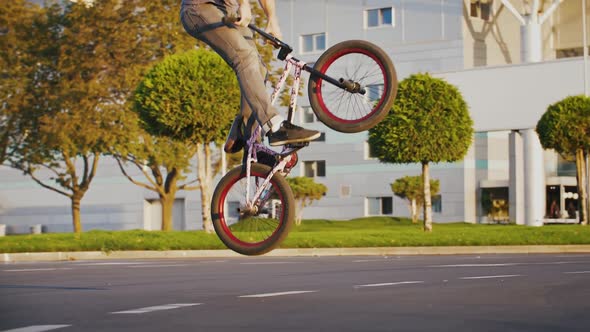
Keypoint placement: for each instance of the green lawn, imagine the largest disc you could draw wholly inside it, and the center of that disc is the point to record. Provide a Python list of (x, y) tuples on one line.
[(365, 232)]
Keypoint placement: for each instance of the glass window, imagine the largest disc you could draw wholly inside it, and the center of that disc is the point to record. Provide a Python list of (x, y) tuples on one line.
[(377, 206), (372, 18), (320, 42), (373, 206), (386, 17), (495, 204), (374, 92), (437, 203), (313, 42), (307, 43), (386, 205), (379, 17), (314, 168)]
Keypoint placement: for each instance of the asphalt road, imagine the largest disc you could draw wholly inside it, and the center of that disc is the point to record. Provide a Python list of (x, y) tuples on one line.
[(408, 293)]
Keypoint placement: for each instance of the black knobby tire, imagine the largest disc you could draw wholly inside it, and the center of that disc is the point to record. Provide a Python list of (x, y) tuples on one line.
[(362, 62), (252, 234)]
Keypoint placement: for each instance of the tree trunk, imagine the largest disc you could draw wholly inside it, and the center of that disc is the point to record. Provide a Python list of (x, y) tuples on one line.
[(299, 212), (204, 174), (167, 203), (414, 211), (76, 200), (582, 180), (427, 198)]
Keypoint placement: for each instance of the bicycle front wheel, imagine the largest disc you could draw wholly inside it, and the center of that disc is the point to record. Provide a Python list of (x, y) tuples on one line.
[(252, 228), (371, 75)]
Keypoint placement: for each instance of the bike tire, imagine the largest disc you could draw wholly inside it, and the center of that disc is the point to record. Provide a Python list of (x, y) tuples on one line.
[(251, 234), (363, 112)]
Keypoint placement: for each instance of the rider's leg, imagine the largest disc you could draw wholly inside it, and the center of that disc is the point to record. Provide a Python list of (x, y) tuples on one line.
[(243, 124), (204, 22)]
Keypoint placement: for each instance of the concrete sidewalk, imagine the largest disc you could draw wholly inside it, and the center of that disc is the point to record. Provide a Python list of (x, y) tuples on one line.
[(388, 251)]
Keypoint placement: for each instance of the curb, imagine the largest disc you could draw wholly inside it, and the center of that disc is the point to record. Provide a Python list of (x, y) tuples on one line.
[(300, 252)]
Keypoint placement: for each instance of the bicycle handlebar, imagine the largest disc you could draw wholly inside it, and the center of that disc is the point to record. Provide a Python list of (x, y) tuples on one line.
[(276, 42)]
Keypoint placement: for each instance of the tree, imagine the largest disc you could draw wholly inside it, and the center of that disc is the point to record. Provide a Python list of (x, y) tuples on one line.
[(565, 127), (191, 98), (163, 162), (429, 123), (83, 63), (68, 123), (411, 188), (15, 18), (305, 191)]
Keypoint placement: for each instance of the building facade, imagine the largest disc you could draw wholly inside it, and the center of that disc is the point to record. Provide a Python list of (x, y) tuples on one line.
[(475, 45)]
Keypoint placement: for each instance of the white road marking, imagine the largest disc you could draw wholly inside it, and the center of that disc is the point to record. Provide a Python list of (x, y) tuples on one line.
[(577, 272), (368, 260), (37, 328), (477, 265), (156, 308), (163, 265), (111, 263), (509, 264), (390, 284), (34, 270), (269, 263), (492, 277), (278, 294)]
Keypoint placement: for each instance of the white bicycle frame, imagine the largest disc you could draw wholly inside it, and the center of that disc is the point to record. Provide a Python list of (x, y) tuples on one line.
[(254, 147)]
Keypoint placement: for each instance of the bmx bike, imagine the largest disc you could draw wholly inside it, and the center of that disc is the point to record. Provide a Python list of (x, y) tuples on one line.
[(351, 88)]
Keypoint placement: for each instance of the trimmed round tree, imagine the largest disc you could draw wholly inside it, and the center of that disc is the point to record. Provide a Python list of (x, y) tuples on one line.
[(305, 190), (191, 97), (411, 189), (429, 122), (565, 127)]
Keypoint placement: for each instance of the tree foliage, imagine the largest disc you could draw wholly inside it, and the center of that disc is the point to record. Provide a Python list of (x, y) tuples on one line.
[(565, 127), (411, 189), (305, 191), (81, 65), (15, 19), (429, 123), (190, 98)]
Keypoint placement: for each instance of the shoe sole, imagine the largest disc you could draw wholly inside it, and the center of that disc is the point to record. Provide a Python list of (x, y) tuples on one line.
[(297, 140)]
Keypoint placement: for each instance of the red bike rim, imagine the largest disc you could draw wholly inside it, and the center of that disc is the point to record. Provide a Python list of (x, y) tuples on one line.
[(325, 67), (226, 228)]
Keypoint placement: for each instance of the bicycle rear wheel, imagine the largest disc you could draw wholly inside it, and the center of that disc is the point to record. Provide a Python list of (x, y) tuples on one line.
[(257, 229), (363, 65)]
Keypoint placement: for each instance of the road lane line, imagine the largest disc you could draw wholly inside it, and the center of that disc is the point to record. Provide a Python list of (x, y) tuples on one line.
[(277, 294), (477, 265), (37, 328), (577, 272), (35, 270), (390, 284), (112, 263), (269, 263), (492, 277), (156, 308), (162, 265)]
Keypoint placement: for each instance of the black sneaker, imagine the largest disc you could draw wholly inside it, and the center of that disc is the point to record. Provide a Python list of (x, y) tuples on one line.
[(290, 133)]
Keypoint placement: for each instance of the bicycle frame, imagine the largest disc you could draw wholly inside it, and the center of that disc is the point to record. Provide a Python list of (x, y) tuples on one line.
[(285, 156), (254, 147)]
